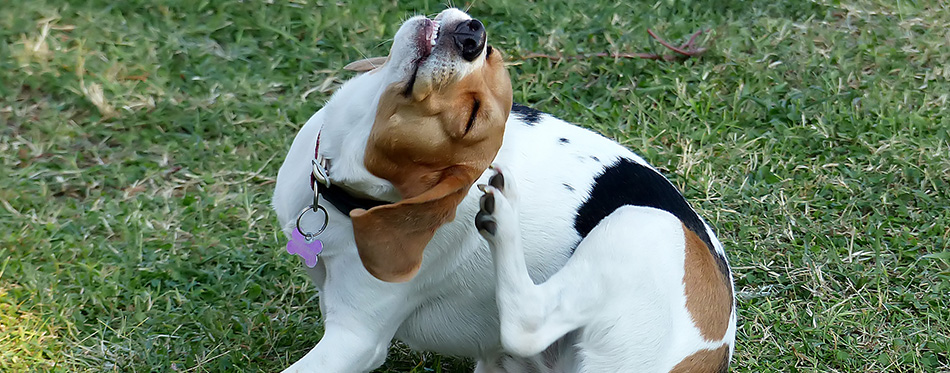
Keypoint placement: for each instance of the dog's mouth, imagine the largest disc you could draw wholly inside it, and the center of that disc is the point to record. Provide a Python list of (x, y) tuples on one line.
[(425, 40)]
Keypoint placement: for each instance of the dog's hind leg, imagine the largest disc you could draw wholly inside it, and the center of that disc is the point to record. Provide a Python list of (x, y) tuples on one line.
[(532, 316), (614, 286)]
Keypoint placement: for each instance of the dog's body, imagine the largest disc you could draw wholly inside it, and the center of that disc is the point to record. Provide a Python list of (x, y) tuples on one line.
[(623, 293)]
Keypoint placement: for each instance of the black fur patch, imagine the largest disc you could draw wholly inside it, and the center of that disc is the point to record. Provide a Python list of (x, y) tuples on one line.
[(527, 115), (629, 183)]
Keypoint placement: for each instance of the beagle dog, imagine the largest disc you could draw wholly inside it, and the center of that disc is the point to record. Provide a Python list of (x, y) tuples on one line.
[(570, 254)]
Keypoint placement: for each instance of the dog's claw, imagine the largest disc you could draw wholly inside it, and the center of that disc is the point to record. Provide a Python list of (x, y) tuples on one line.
[(488, 203), (485, 222), (497, 180)]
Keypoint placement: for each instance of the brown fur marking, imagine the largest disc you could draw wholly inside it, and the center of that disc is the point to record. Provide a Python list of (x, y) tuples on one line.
[(704, 361), (708, 292)]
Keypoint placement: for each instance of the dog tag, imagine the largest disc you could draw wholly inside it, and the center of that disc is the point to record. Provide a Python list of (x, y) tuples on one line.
[(307, 249)]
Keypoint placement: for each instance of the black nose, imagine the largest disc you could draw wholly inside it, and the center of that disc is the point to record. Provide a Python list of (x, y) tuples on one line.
[(470, 39)]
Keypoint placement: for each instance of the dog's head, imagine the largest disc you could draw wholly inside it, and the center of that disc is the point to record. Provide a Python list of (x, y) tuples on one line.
[(438, 125)]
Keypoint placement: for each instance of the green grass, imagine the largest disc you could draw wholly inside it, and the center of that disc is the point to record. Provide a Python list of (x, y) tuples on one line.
[(140, 142)]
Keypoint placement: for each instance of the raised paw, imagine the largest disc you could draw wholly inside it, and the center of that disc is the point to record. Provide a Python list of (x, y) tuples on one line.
[(496, 216)]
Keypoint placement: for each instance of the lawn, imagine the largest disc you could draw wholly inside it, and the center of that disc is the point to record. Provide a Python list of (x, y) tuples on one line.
[(140, 141)]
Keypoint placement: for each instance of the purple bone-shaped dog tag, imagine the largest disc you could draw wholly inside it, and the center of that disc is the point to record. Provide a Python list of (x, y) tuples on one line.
[(308, 250)]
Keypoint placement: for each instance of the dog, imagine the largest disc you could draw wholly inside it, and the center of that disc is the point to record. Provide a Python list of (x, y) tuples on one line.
[(461, 223)]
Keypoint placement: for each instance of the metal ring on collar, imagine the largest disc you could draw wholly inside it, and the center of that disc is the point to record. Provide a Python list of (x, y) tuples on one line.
[(326, 220)]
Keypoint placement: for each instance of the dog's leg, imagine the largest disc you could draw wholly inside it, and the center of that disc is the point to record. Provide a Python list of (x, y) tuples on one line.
[(486, 366), (360, 317), (344, 349), (532, 316), (506, 363), (628, 265)]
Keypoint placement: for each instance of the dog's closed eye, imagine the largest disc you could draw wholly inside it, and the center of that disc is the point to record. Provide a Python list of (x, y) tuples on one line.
[(471, 118)]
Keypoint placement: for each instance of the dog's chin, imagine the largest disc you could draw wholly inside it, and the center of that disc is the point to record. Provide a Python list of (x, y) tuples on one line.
[(427, 72), (420, 85)]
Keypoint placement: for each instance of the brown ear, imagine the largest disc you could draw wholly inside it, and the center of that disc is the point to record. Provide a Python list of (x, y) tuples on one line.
[(391, 238), (366, 64)]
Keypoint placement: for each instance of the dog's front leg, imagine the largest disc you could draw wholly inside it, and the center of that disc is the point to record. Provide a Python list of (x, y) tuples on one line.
[(344, 348), (360, 316)]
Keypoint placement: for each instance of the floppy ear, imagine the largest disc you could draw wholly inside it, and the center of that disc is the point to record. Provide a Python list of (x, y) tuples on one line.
[(366, 64), (391, 238)]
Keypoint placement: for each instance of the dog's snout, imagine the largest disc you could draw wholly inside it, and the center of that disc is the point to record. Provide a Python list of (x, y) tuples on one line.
[(470, 39)]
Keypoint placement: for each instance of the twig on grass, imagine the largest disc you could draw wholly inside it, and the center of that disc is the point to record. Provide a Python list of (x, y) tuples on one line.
[(687, 50)]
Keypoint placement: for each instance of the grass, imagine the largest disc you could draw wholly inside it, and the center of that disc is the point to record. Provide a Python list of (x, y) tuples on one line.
[(140, 142)]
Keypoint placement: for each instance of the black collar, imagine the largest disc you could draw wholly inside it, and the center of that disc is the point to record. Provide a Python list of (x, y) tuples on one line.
[(338, 197), (346, 202)]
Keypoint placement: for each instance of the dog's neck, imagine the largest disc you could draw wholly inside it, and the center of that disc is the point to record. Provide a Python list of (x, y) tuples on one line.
[(344, 135)]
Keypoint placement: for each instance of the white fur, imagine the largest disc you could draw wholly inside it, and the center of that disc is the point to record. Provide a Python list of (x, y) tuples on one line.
[(631, 304)]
